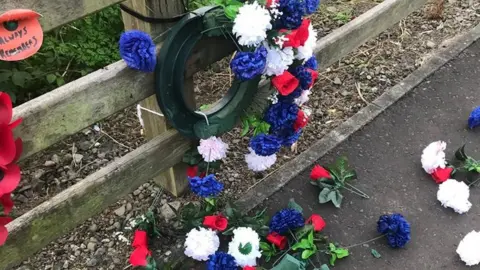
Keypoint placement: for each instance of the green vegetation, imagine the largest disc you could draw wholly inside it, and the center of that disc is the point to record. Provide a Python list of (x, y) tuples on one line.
[(67, 53)]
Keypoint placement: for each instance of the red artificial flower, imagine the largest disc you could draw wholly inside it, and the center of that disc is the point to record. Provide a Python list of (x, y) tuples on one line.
[(319, 172), (269, 3), (248, 268), (441, 175), (278, 240), (317, 222), (9, 178), (3, 231), (314, 74), (141, 252), (217, 222), (7, 203), (285, 83), (296, 37), (8, 151), (301, 121), (192, 171)]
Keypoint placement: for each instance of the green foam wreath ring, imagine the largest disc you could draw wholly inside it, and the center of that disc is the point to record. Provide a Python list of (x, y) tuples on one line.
[(169, 83)]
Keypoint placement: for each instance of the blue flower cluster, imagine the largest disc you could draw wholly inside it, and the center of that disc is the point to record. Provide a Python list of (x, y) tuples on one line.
[(312, 5), (311, 63), (286, 219), (281, 115), (304, 76), (474, 119), (138, 50), (265, 145), (292, 13), (247, 65), (221, 261), (205, 187), (289, 136), (396, 228)]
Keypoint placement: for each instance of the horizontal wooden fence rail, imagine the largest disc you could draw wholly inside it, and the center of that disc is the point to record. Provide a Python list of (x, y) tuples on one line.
[(72, 107)]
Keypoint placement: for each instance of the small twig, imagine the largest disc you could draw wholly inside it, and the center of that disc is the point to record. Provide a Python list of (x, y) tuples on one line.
[(83, 167), (117, 142), (359, 91), (68, 66), (368, 241)]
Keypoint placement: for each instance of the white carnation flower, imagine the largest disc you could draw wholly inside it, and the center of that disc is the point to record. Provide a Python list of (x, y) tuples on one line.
[(212, 149), (259, 163), (454, 194), (469, 248), (278, 60), (433, 156), (245, 246), (303, 98), (251, 24), (306, 51), (201, 243)]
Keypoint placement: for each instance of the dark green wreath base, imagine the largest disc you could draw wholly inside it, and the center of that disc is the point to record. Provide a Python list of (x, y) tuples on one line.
[(169, 82)]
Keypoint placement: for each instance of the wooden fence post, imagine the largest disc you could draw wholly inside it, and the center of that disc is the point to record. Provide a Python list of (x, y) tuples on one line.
[(174, 180)]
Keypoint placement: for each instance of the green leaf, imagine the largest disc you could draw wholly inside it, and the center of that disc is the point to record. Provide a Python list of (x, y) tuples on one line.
[(293, 205), (51, 78), (303, 244), (60, 81), (246, 127), (341, 252), (204, 107), (332, 247), (231, 11), (460, 154), (5, 75), (310, 238), (333, 258), (290, 263), (375, 253), (245, 249), (336, 197), (324, 267), (19, 78), (151, 264), (210, 201), (323, 196), (265, 246), (307, 253)]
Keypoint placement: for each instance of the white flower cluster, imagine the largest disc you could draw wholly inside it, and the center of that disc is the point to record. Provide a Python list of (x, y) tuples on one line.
[(251, 24), (306, 51), (201, 243), (278, 60), (212, 149), (244, 237), (259, 163), (469, 248), (433, 156), (454, 194)]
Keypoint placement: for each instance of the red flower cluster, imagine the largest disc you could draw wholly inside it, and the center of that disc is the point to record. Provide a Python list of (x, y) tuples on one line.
[(217, 222), (297, 37), (302, 120), (192, 171), (10, 151), (285, 83), (441, 175), (141, 252)]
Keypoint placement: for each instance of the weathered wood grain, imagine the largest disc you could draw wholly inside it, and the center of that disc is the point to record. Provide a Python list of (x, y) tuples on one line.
[(58, 12), (62, 213)]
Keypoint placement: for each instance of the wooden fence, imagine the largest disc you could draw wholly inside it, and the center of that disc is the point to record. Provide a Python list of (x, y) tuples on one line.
[(66, 110)]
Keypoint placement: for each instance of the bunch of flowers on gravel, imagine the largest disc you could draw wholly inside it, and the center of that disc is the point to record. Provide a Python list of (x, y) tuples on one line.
[(396, 228), (201, 243), (245, 246), (469, 248)]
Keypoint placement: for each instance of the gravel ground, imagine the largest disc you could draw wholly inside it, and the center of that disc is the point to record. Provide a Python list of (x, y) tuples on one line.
[(343, 89)]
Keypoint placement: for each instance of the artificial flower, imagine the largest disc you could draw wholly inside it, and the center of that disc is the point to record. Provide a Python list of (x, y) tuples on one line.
[(3, 230), (212, 149), (138, 50), (297, 37), (306, 51), (281, 115), (311, 6), (285, 83), (248, 65), (319, 172), (205, 187), (251, 24), (301, 121), (278, 60), (7, 203), (141, 251), (303, 98), (317, 222), (288, 136), (474, 118), (285, 220), (248, 268), (454, 194), (304, 77), (314, 75), (396, 228), (221, 261), (265, 145), (192, 171), (433, 156), (441, 175), (216, 222), (10, 149), (9, 178), (201, 243), (292, 12), (469, 250), (311, 63), (278, 240), (259, 163), (245, 246)]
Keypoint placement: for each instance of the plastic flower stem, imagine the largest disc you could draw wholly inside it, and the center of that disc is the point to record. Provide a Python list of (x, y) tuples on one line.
[(296, 240), (368, 241), (281, 256), (356, 191), (208, 164), (474, 182)]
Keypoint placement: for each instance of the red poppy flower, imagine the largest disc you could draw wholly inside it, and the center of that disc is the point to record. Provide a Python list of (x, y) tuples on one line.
[(317, 222), (441, 175), (297, 37), (319, 172), (278, 240), (217, 222), (3, 231), (8, 150), (7, 203), (285, 83), (314, 74), (9, 178), (301, 121), (140, 254), (248, 268), (192, 171)]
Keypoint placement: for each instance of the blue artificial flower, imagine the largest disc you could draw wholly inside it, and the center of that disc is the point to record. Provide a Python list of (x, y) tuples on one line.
[(396, 228), (205, 187), (286, 219), (474, 119), (247, 65), (265, 145), (281, 115), (288, 136), (304, 76), (311, 6), (221, 261), (311, 63), (138, 50), (292, 13)]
